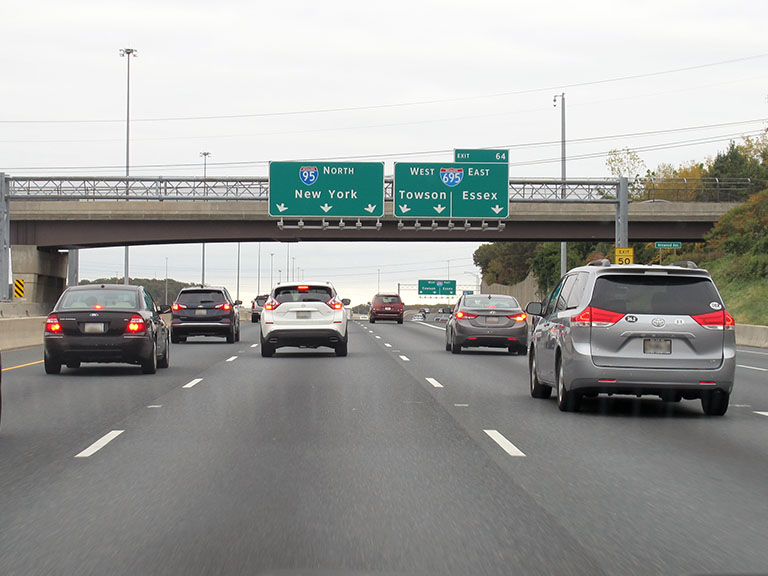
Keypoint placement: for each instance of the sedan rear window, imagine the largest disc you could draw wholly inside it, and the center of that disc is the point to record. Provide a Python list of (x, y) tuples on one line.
[(649, 294), (309, 294), (201, 297), (99, 299), (493, 302)]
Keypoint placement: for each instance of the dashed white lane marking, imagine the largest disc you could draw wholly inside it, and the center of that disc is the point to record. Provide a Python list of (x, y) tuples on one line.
[(387, 345), (434, 383), (192, 383), (99, 444), (404, 358), (155, 406), (761, 413), (430, 326), (752, 367), (231, 358), (461, 405), (505, 444), (254, 345)]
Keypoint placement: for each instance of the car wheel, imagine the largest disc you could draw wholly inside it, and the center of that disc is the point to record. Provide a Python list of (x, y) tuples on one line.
[(715, 403), (51, 366), (231, 335), (254, 319), (267, 349), (567, 400), (237, 336), (149, 364), (372, 320), (447, 341), (165, 359), (399, 320), (341, 347), (455, 346), (175, 337), (538, 390)]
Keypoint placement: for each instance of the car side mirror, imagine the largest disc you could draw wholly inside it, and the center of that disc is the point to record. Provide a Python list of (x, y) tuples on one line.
[(346, 301), (163, 309), (534, 308), (238, 302)]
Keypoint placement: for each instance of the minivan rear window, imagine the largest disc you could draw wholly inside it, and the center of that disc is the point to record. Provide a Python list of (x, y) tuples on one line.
[(650, 294), (309, 294), (387, 300), (201, 297)]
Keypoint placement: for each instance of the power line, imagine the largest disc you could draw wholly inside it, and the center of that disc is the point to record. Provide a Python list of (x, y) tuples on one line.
[(399, 104)]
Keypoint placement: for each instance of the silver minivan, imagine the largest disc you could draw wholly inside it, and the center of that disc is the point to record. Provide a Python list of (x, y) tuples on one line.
[(631, 329)]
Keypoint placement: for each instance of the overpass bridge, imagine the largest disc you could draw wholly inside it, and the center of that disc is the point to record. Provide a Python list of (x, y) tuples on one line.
[(40, 217)]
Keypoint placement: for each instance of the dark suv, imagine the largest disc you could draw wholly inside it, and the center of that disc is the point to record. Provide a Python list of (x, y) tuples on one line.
[(386, 307), (205, 311), (629, 329), (257, 305)]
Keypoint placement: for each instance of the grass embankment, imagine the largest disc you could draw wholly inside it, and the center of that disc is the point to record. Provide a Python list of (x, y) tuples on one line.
[(745, 298)]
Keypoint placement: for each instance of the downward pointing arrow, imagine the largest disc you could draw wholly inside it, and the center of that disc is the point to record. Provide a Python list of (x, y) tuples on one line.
[(282, 207), (370, 208), (496, 209), (325, 207), (439, 208), (404, 209)]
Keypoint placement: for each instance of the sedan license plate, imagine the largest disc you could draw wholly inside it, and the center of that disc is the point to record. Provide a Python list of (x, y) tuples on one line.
[(657, 346), (93, 328), (303, 314), (200, 312), (492, 320)]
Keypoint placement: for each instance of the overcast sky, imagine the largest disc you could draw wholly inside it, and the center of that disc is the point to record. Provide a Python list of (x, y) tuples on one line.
[(251, 82)]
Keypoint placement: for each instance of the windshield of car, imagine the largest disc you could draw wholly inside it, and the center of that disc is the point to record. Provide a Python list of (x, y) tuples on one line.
[(491, 302), (201, 297), (98, 299), (303, 294), (656, 294)]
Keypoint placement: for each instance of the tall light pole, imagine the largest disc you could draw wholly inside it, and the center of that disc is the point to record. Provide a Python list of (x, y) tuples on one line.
[(258, 271), (166, 280), (378, 283), (271, 267), (205, 176), (563, 245), (127, 53)]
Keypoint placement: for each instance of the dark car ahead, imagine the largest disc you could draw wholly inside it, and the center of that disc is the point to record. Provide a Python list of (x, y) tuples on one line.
[(257, 305), (106, 323), (205, 311), (487, 320), (386, 307)]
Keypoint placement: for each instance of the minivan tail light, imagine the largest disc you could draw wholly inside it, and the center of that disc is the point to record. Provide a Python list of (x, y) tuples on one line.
[(136, 325), (271, 304), (518, 317), (52, 325), (597, 317), (720, 320)]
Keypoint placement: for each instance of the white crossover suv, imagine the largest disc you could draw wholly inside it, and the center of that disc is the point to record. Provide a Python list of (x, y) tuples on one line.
[(305, 315)]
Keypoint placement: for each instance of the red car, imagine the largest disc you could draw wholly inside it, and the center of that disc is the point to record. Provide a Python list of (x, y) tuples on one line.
[(386, 307)]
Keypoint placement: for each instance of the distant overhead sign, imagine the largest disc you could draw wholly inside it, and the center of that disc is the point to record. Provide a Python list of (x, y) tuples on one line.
[(451, 190), (481, 155), (326, 189), (437, 287)]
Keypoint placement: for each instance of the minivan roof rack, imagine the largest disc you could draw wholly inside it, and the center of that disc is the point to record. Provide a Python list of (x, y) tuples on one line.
[(599, 262), (685, 264)]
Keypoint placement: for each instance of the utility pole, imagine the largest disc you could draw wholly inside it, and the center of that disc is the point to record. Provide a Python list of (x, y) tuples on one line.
[(563, 245), (205, 176)]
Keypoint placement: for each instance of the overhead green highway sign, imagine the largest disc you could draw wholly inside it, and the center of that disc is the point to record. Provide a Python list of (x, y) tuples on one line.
[(326, 189), (669, 245), (437, 287), (481, 155), (451, 190)]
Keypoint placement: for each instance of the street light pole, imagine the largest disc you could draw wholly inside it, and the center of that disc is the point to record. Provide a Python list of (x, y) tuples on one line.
[(205, 176), (271, 264), (127, 53), (563, 245)]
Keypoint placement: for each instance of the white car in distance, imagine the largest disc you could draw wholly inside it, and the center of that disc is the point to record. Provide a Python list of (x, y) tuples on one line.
[(304, 315)]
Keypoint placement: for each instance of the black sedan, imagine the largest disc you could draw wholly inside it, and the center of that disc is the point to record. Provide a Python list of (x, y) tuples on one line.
[(106, 323), (490, 320)]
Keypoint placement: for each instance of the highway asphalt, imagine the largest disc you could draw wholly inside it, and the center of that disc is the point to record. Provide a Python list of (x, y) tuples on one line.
[(400, 458)]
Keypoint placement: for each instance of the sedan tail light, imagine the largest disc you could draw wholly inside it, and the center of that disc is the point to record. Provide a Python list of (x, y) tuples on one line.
[(271, 304), (52, 325), (461, 315), (136, 325), (720, 320), (592, 316)]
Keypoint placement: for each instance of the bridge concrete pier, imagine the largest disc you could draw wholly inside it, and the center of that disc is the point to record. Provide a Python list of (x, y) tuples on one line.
[(44, 273)]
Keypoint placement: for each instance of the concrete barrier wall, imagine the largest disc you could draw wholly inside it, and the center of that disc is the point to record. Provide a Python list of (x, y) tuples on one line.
[(23, 332)]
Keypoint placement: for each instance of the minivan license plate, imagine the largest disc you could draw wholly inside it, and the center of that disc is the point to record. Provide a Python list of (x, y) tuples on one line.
[(657, 346)]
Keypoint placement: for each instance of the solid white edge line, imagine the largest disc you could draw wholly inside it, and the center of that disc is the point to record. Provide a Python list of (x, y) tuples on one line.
[(231, 358), (505, 444), (404, 358), (192, 383), (434, 382), (99, 444), (752, 367), (441, 328), (761, 413)]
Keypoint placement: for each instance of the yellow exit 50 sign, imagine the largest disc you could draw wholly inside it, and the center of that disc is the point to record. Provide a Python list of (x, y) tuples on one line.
[(625, 255)]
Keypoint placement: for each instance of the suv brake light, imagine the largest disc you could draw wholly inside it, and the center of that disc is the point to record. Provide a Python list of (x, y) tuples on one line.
[(176, 307), (597, 317), (720, 320), (461, 315), (224, 306), (335, 303), (271, 304), (52, 325), (136, 325)]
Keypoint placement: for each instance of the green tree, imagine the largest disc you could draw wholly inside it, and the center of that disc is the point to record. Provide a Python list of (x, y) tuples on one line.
[(504, 262), (627, 163), (746, 160)]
